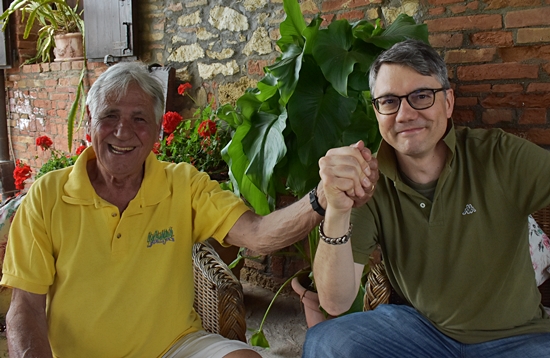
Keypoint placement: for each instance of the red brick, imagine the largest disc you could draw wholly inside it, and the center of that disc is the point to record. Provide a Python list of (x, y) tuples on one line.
[(539, 136), (332, 5), (524, 53), (497, 71), (446, 40), (465, 56), (352, 16), (533, 116), (465, 101), (533, 35), (515, 100), (499, 4), (59, 96), (493, 116), (511, 87), (256, 67), (526, 18), (463, 116), (475, 88), (538, 87), (475, 22), (357, 3), (492, 38), (436, 11), (442, 2), (55, 66), (66, 65), (458, 9), (546, 67)]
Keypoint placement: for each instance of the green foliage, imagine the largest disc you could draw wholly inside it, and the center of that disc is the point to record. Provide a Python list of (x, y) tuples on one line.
[(58, 160), (54, 17), (313, 98)]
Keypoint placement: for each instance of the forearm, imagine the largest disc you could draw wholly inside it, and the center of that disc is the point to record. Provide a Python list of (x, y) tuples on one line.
[(275, 231), (27, 331), (334, 269)]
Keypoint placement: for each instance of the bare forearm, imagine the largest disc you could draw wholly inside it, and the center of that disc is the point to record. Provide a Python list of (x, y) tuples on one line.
[(334, 269), (27, 331), (275, 231)]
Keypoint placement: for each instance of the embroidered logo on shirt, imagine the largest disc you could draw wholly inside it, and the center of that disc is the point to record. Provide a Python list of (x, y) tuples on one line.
[(160, 237), (469, 210)]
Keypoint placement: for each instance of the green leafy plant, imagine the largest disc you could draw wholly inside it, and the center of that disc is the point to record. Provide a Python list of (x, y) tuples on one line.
[(54, 17), (314, 97)]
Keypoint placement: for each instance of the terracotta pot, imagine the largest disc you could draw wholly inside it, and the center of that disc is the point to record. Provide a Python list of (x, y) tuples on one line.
[(68, 47), (310, 301)]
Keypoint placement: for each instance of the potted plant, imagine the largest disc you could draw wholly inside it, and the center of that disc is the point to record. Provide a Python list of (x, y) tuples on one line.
[(61, 28), (313, 98), (61, 31)]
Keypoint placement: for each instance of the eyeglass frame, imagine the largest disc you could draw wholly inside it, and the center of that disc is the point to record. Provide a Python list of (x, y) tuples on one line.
[(400, 98)]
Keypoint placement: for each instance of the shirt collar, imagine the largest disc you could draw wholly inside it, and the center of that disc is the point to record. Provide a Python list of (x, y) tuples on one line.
[(79, 190)]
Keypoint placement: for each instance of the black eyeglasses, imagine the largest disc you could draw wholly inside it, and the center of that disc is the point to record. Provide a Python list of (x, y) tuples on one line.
[(419, 99)]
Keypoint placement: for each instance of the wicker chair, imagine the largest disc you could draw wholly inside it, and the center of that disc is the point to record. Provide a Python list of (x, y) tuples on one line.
[(379, 290)]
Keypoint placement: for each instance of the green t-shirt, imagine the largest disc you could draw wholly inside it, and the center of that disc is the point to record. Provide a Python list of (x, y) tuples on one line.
[(462, 260)]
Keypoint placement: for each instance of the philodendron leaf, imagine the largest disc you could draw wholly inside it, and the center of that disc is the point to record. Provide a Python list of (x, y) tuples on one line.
[(293, 25), (335, 55), (286, 71), (264, 146), (317, 114), (404, 27), (258, 339)]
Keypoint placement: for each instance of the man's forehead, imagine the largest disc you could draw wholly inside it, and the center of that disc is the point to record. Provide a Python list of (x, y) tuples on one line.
[(396, 77)]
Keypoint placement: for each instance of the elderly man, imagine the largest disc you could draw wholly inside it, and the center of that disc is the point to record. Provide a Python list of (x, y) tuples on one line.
[(450, 213), (87, 280)]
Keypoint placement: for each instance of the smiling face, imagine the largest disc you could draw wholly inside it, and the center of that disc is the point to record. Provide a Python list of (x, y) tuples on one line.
[(411, 132), (123, 134)]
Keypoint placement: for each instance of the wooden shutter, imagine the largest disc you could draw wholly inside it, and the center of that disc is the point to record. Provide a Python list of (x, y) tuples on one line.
[(4, 43), (109, 28)]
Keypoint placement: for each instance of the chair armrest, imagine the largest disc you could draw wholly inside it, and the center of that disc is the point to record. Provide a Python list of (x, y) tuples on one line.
[(219, 298)]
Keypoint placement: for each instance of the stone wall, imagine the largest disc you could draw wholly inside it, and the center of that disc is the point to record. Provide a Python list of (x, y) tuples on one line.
[(497, 53)]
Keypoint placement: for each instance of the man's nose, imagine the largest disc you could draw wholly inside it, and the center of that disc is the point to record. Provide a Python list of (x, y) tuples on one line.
[(405, 112), (124, 128)]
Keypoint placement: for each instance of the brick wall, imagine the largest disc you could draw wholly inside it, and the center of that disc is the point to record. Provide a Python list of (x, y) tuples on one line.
[(497, 53)]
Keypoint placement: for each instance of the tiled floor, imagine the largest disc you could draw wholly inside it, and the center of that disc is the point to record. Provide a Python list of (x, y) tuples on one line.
[(285, 326)]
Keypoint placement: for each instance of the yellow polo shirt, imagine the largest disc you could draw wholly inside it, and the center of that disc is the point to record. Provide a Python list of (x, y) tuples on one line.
[(117, 286)]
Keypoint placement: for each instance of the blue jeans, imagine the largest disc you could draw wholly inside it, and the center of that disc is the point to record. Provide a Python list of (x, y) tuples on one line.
[(400, 331)]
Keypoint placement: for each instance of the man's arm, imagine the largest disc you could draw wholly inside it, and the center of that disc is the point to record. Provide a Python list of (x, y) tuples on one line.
[(265, 234), (337, 277), (27, 327)]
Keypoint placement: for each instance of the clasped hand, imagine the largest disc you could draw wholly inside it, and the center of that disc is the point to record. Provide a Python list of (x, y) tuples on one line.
[(349, 176)]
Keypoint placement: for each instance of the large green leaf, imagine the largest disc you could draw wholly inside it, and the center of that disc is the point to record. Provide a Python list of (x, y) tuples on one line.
[(293, 25), (403, 28), (258, 339), (336, 56), (317, 114), (264, 146), (286, 71)]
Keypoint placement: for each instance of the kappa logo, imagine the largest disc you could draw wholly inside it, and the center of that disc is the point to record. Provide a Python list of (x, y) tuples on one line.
[(160, 237), (469, 210)]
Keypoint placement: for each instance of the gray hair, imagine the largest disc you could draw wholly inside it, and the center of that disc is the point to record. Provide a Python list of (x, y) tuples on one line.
[(113, 84), (415, 54)]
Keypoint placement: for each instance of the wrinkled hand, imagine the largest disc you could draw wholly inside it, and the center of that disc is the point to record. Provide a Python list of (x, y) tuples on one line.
[(349, 176)]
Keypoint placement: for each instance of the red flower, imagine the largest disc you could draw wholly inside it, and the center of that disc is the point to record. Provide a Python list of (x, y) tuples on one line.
[(207, 128), (170, 139), (44, 142), (88, 138), (21, 173), (170, 121), (80, 149), (184, 87), (156, 148)]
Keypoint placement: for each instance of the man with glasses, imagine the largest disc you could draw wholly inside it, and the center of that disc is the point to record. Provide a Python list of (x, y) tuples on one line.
[(450, 214)]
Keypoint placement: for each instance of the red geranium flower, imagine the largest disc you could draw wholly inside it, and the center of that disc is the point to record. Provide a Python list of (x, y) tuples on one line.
[(88, 138), (184, 87), (80, 149), (170, 139), (170, 121), (44, 142), (21, 173), (207, 128), (156, 148)]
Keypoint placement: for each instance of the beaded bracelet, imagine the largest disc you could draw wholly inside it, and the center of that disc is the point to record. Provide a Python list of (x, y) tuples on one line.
[(336, 240)]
